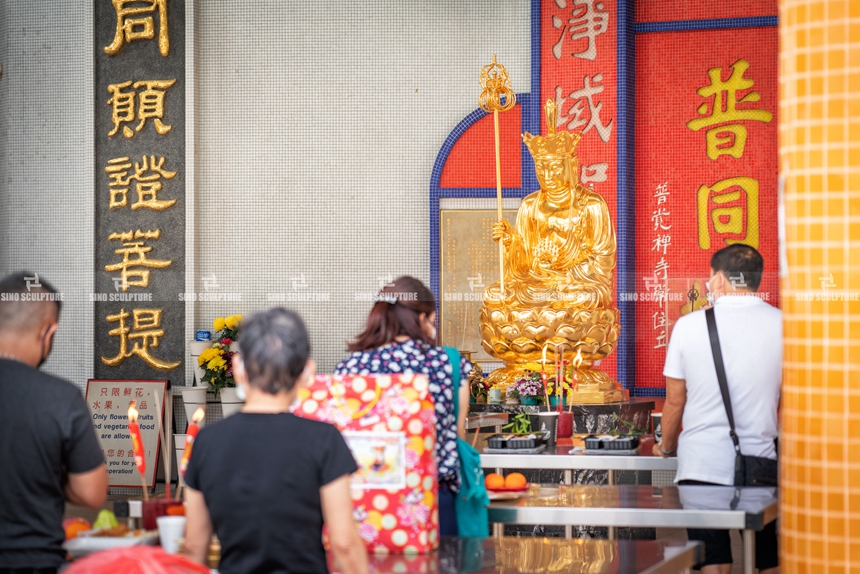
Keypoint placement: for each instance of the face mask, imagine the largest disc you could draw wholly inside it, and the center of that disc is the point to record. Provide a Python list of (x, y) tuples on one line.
[(45, 353), (709, 294), (240, 392)]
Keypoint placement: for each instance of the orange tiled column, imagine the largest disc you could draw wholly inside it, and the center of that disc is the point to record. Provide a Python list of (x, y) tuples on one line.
[(820, 162)]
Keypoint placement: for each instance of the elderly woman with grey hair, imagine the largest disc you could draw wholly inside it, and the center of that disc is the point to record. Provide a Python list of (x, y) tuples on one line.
[(265, 480)]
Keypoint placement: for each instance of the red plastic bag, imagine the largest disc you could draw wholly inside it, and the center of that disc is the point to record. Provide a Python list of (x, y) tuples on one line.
[(135, 560)]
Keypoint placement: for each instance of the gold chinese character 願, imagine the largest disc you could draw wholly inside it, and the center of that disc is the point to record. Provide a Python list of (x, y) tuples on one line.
[(135, 277), (146, 323), (588, 20), (150, 105), (131, 24), (147, 187), (727, 139), (739, 219)]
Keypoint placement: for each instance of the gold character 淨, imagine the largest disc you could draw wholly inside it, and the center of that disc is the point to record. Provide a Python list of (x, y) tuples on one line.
[(135, 20), (133, 253), (150, 105), (147, 173), (144, 333)]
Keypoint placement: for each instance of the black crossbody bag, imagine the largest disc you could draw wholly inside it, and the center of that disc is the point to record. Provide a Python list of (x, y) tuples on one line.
[(749, 470)]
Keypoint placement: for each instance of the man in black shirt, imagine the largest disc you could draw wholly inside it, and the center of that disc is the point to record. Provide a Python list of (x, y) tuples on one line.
[(48, 448), (266, 480)]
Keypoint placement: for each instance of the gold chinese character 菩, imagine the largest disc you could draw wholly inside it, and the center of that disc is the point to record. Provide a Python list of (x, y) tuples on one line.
[(147, 187), (139, 249), (727, 139), (588, 20), (150, 105), (144, 333), (739, 220), (131, 24)]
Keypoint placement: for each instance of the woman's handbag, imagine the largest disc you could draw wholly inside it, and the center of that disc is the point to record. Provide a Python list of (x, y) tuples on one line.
[(749, 470), (472, 500)]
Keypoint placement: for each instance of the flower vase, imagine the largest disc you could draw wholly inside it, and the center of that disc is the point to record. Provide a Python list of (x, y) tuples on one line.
[(192, 399), (198, 347), (230, 402), (554, 401), (528, 401)]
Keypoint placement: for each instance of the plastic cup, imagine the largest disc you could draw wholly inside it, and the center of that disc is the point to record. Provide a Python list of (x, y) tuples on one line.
[(171, 529), (549, 421), (565, 425)]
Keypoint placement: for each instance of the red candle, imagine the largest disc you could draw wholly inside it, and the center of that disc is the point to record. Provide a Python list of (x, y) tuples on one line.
[(192, 431), (136, 439)]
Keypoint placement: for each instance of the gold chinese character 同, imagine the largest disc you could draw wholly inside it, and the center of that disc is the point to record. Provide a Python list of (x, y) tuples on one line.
[(739, 219), (129, 26), (727, 139), (146, 323), (150, 105), (147, 187), (138, 249)]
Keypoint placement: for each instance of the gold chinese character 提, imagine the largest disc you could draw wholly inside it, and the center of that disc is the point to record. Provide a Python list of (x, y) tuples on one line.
[(137, 22), (145, 329), (574, 116), (130, 276), (147, 186), (588, 20), (739, 220), (727, 139), (150, 105)]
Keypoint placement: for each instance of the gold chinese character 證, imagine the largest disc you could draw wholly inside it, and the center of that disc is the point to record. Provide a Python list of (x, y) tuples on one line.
[(150, 105), (147, 187), (731, 138), (739, 220), (145, 328), (135, 20), (129, 275)]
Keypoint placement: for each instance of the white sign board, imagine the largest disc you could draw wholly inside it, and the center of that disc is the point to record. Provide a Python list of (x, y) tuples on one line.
[(108, 402)]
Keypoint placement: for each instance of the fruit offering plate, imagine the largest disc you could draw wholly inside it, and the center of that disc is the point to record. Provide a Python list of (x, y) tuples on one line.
[(497, 495), (95, 540), (523, 488)]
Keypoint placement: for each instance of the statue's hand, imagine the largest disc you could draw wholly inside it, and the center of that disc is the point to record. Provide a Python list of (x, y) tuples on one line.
[(502, 231)]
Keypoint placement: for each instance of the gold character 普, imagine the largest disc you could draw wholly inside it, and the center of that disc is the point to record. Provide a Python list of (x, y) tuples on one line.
[(147, 187), (726, 110), (145, 328), (130, 276), (131, 24)]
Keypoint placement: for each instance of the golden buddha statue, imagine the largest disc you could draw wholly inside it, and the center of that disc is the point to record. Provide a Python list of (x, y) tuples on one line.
[(558, 271)]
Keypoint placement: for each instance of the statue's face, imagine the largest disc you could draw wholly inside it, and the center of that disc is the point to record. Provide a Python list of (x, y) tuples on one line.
[(551, 173)]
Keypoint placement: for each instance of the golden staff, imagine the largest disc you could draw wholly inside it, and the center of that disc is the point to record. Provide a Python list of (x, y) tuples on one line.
[(496, 83)]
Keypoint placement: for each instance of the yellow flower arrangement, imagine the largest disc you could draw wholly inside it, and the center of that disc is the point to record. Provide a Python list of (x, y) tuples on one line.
[(217, 359)]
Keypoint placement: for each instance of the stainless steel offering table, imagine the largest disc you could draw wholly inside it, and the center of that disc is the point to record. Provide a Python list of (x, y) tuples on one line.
[(719, 507), (543, 555)]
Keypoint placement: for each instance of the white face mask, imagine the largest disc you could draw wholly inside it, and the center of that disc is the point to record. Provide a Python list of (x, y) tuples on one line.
[(708, 293), (240, 392)]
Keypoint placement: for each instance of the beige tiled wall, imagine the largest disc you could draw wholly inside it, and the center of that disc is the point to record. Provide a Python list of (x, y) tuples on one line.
[(820, 164)]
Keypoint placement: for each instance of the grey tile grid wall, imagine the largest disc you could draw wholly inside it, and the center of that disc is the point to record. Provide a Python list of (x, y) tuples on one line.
[(317, 128), (46, 189)]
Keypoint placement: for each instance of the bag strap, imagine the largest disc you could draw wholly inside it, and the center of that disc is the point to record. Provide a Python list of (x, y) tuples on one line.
[(721, 374), (454, 359)]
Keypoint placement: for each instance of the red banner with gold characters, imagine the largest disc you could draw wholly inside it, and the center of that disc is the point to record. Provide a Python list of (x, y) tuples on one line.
[(706, 171)]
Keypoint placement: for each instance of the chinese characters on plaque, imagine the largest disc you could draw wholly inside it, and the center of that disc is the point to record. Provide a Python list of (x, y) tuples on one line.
[(140, 219), (728, 208)]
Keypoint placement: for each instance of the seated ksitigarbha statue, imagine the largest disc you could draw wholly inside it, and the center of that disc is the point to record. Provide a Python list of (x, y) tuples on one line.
[(557, 273)]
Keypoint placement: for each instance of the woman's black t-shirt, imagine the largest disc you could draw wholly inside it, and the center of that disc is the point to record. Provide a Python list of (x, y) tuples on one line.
[(260, 475)]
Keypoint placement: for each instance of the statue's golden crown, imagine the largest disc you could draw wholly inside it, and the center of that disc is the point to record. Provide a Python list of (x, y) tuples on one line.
[(554, 144)]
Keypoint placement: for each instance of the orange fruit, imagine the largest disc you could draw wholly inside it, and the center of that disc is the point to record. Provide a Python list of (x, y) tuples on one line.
[(177, 510), (494, 480), (73, 528), (515, 480)]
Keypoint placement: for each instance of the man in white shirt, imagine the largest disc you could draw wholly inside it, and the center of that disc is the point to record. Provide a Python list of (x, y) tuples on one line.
[(750, 334)]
